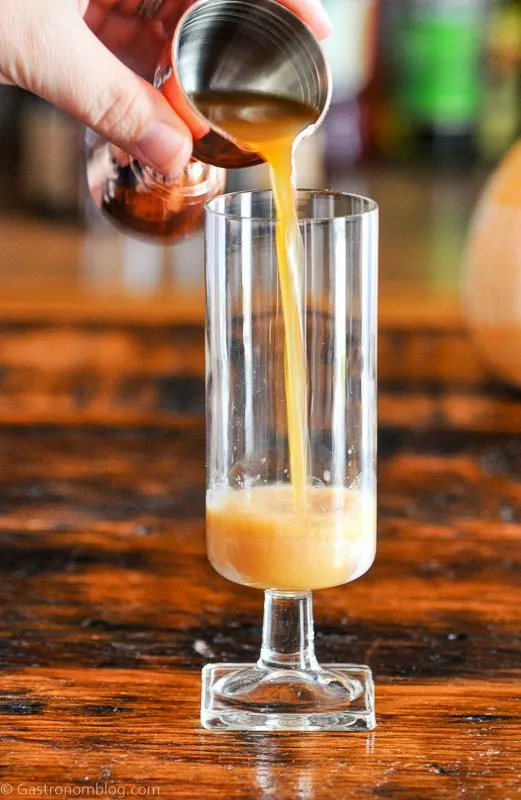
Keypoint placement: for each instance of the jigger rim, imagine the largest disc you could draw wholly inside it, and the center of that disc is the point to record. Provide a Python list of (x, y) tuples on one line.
[(371, 206), (278, 10)]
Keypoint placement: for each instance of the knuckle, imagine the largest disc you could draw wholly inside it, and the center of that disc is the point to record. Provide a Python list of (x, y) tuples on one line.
[(119, 114)]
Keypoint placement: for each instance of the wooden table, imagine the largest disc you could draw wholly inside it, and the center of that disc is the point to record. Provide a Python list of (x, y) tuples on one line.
[(110, 609)]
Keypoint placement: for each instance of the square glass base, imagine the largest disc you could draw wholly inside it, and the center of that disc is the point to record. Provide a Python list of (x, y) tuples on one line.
[(242, 697)]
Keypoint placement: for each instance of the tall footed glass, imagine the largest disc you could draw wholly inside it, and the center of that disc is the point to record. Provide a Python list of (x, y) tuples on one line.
[(262, 530)]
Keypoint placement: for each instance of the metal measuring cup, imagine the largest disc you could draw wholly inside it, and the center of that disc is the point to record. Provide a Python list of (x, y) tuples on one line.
[(240, 46)]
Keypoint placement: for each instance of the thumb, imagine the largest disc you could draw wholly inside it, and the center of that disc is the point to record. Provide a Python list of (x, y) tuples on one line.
[(82, 77)]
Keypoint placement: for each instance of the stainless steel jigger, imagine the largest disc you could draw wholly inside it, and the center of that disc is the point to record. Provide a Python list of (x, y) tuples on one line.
[(241, 46)]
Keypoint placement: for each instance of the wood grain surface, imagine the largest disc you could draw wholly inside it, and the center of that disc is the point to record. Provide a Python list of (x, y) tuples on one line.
[(109, 608)]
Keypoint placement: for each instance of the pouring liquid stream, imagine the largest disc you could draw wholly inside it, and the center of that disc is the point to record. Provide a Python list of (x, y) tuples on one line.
[(271, 126)]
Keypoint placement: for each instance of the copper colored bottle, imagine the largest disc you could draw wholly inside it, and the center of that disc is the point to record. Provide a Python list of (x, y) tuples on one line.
[(146, 203)]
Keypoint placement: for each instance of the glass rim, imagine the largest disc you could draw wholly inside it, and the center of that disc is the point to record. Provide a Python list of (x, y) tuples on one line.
[(372, 205)]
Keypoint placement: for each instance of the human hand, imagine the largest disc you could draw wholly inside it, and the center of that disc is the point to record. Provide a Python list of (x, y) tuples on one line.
[(87, 58)]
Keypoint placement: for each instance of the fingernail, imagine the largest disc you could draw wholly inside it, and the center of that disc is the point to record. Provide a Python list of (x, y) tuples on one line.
[(323, 21), (164, 146)]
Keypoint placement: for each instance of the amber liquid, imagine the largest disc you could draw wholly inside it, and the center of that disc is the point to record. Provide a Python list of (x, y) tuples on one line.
[(151, 215), (299, 536)]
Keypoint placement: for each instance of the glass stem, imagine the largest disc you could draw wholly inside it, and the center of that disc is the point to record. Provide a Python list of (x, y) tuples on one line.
[(287, 635)]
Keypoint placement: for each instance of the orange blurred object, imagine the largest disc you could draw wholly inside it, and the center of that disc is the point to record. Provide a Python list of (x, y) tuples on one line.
[(492, 270)]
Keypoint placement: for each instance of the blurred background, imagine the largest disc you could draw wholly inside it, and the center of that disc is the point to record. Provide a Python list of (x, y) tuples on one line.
[(426, 102)]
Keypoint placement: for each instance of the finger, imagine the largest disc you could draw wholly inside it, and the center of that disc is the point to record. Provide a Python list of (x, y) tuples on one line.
[(313, 13), (87, 81), (136, 44)]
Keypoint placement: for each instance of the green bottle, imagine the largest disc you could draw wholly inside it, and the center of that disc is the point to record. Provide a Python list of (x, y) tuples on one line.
[(438, 51)]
